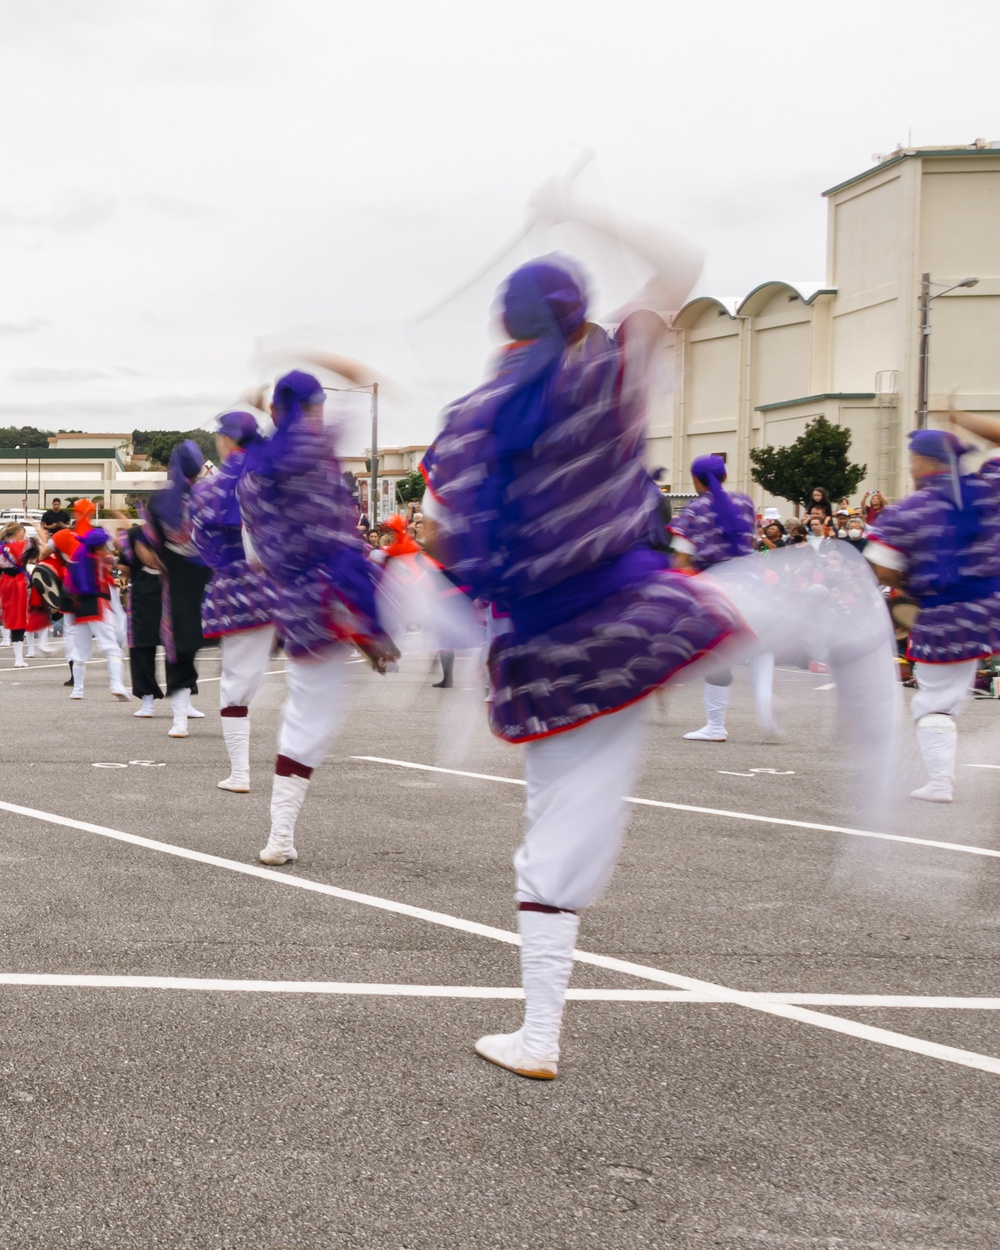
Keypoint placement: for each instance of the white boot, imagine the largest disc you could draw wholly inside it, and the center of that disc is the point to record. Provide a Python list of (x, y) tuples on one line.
[(547, 943), (937, 737), (193, 713), (179, 702), (146, 708), (19, 660), (714, 729), (287, 796), (762, 683), (79, 670), (29, 650), (4, 637), (116, 685), (236, 735), (41, 636)]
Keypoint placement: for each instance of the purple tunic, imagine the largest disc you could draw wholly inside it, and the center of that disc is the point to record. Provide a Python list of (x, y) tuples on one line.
[(917, 528), (699, 525), (561, 531), (238, 597), (301, 521)]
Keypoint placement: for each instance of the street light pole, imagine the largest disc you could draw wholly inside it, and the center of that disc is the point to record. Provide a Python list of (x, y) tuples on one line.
[(925, 340), (373, 501)]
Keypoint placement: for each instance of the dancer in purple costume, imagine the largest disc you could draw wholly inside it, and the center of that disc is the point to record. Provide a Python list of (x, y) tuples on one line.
[(540, 504), (240, 605), (301, 523), (941, 547), (716, 526)]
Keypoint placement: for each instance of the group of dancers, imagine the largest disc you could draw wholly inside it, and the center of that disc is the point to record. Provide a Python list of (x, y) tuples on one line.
[(537, 504)]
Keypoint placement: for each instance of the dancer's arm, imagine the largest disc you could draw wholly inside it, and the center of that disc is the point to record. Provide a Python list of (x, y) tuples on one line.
[(976, 423)]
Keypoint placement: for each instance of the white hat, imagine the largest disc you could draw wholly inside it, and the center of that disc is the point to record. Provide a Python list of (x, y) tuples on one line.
[(772, 514)]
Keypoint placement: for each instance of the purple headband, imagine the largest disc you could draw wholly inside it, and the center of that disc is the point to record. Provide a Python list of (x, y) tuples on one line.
[(937, 445), (238, 425), (544, 299)]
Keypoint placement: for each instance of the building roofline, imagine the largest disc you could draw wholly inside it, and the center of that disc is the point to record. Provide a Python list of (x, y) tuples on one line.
[(909, 153), (812, 399), (799, 289)]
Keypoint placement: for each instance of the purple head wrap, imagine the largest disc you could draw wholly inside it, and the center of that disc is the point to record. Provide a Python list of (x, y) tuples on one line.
[(711, 472), (544, 299), (294, 392), (945, 447), (84, 562), (186, 462), (238, 425)]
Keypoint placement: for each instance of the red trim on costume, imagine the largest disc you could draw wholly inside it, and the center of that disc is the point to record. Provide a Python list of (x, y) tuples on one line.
[(237, 710), (285, 767), (544, 907)]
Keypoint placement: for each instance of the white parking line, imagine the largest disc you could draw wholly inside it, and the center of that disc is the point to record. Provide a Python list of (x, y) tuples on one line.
[(712, 811), (396, 990), (714, 993)]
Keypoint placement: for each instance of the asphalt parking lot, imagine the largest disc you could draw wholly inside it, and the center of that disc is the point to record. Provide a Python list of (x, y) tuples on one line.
[(784, 1030)]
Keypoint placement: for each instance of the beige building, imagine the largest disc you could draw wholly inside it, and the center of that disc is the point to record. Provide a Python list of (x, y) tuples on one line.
[(73, 466), (394, 463), (752, 373)]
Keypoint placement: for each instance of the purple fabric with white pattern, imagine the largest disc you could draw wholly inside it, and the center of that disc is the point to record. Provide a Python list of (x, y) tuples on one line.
[(301, 520), (697, 522), (578, 498), (238, 597), (916, 527)]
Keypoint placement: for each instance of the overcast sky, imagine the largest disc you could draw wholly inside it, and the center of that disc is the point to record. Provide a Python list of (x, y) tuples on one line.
[(181, 177)]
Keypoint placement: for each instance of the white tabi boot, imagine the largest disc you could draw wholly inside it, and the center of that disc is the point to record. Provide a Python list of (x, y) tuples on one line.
[(714, 729), (937, 737), (116, 685), (287, 797), (236, 735), (547, 943), (147, 706), (29, 650), (19, 660), (79, 670), (4, 637), (179, 703), (193, 713), (41, 636)]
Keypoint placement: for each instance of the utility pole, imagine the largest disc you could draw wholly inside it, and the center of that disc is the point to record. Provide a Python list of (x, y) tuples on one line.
[(925, 349), (373, 489)]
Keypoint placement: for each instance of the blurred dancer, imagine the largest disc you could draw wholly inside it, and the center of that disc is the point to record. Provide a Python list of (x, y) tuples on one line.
[(145, 608), (302, 528), (538, 502), (166, 544), (15, 554), (90, 591), (239, 605), (941, 547), (719, 525)]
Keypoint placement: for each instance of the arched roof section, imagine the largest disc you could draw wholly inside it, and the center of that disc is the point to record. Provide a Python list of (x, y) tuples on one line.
[(758, 298), (695, 309)]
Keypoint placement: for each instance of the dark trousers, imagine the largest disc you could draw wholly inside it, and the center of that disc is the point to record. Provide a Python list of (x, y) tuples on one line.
[(180, 675)]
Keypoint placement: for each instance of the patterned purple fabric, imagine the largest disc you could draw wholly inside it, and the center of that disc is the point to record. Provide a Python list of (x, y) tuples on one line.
[(238, 597), (916, 528), (301, 521), (698, 523), (578, 498)]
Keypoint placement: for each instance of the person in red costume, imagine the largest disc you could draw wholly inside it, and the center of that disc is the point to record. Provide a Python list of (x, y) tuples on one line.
[(15, 554)]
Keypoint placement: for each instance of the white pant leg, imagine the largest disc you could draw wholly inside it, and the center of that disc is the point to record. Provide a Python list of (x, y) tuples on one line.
[(83, 641), (315, 708), (576, 812), (244, 662), (69, 623), (942, 688), (105, 636), (119, 618)]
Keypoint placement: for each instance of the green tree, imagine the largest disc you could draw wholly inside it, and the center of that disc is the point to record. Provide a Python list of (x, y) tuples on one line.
[(158, 444), (23, 436), (818, 457), (410, 489)]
